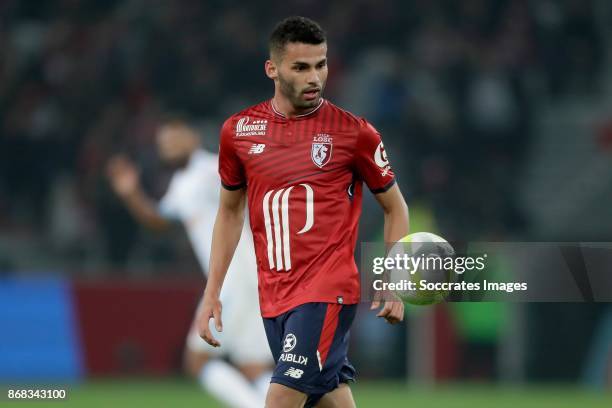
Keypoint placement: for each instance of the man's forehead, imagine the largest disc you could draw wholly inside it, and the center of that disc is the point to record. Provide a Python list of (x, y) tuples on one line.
[(311, 53), (169, 132)]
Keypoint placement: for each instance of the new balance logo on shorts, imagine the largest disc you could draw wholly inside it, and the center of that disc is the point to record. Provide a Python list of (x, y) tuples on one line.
[(294, 372)]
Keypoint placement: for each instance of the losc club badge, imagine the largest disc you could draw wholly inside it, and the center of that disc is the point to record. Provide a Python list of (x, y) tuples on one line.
[(321, 149)]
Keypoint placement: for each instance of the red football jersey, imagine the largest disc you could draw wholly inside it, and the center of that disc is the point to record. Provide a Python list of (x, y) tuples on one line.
[(304, 179)]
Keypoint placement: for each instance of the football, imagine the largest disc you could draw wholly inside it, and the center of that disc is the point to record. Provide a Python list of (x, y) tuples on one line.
[(421, 269)]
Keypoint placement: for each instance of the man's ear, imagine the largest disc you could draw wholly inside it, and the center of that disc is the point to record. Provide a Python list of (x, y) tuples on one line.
[(271, 69)]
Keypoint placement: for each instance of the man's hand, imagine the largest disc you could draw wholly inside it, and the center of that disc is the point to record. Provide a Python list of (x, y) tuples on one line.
[(211, 308), (392, 311), (123, 175)]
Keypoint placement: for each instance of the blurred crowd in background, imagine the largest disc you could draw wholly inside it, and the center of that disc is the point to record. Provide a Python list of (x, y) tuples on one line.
[(453, 86), (458, 90)]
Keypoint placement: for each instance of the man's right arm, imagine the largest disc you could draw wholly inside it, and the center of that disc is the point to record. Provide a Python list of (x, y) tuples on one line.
[(125, 181), (226, 234)]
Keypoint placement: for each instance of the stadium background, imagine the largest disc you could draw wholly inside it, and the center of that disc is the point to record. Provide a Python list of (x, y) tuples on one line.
[(496, 116)]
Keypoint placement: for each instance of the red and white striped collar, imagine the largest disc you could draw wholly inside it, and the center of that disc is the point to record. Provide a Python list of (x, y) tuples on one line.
[(316, 108)]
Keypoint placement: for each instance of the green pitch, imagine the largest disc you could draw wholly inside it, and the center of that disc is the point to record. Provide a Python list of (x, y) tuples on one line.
[(130, 393)]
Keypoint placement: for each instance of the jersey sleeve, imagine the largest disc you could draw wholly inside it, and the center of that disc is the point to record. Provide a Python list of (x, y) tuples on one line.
[(231, 170), (168, 207), (371, 161)]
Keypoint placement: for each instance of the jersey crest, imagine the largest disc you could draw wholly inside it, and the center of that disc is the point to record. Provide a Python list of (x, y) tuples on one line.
[(321, 151)]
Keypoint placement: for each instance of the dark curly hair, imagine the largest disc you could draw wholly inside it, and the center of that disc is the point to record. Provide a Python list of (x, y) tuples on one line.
[(295, 29)]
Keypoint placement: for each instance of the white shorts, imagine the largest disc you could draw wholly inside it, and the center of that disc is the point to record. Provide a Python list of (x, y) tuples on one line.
[(243, 339)]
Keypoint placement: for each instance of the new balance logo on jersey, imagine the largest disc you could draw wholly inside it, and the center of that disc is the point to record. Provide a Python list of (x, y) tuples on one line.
[(257, 148), (276, 218), (294, 372), (257, 128)]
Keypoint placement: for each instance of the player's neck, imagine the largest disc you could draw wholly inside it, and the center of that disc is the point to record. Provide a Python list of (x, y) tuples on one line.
[(283, 106)]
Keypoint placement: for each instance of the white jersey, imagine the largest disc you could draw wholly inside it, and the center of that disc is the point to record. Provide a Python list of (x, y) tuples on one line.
[(193, 198)]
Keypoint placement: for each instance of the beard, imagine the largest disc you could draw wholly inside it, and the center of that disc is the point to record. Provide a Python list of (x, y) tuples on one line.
[(289, 90)]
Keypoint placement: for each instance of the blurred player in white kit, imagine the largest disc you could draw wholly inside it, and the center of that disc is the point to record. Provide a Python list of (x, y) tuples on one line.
[(192, 198)]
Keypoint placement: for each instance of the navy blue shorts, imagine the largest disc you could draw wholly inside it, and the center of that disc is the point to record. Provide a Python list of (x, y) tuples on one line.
[(309, 344)]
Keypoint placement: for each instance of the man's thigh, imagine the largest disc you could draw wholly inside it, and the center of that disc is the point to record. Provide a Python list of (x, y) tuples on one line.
[(341, 397)]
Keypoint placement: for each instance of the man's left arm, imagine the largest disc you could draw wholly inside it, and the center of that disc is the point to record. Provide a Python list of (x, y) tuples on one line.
[(396, 227), (372, 164), (396, 214)]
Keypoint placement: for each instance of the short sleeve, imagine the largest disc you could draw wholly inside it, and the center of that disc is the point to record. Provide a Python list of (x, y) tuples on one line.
[(168, 206), (231, 170), (371, 161)]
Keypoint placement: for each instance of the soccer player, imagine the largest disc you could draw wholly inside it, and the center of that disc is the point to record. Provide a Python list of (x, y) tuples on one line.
[(192, 197), (302, 161)]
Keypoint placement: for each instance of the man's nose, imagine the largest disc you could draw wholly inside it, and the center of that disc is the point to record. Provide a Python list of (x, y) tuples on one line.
[(314, 78)]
